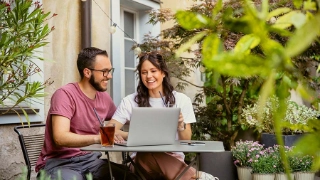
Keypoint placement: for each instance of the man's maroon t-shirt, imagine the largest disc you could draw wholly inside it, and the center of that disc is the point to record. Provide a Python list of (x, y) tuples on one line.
[(69, 101)]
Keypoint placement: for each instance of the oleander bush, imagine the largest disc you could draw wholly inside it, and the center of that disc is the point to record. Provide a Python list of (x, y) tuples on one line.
[(23, 32)]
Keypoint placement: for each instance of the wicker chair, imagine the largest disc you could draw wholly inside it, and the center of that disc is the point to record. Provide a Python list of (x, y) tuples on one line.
[(31, 144)]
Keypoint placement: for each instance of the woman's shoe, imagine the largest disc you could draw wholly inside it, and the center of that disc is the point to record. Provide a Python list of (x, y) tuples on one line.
[(206, 176)]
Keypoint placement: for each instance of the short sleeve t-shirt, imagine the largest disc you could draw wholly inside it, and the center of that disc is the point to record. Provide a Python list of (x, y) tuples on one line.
[(124, 110), (69, 101)]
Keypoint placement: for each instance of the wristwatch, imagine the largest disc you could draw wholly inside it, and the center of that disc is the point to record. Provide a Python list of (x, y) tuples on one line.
[(182, 128)]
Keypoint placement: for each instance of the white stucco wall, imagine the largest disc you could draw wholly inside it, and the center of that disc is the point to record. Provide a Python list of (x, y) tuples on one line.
[(195, 78)]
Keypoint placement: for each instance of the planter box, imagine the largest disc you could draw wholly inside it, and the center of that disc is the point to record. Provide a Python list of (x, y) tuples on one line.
[(269, 140)]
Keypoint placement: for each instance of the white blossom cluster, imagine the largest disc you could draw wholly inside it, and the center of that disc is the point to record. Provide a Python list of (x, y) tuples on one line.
[(295, 115)]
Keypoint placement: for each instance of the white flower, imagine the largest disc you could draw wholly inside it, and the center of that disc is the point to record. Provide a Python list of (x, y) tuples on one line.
[(295, 115)]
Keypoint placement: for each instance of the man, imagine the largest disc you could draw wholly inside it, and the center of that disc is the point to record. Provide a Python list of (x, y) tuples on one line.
[(72, 122)]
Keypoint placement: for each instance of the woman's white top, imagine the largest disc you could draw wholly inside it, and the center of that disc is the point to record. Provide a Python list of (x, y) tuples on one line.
[(124, 111)]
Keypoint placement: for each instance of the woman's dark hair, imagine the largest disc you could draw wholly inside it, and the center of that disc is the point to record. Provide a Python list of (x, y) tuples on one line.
[(142, 98), (87, 57)]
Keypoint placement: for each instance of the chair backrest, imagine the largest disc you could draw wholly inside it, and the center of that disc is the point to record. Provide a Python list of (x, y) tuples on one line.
[(31, 142)]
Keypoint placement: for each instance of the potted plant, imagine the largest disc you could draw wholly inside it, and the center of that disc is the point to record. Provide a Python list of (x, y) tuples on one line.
[(243, 154), (264, 165), (302, 167), (280, 168), (295, 121)]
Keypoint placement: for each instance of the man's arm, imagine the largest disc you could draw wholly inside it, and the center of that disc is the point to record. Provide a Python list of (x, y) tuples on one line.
[(63, 137)]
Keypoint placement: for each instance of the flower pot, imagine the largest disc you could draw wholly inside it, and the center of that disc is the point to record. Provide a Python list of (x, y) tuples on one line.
[(304, 175), (283, 176), (244, 173), (257, 176), (268, 140)]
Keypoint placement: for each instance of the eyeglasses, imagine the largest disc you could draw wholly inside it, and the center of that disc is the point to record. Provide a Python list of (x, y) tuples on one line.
[(105, 71)]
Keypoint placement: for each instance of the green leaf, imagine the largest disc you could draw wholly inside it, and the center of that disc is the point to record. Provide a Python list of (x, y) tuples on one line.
[(246, 43), (298, 20), (217, 8), (303, 37), (250, 8), (211, 46), (303, 144), (281, 32), (278, 12), (309, 5), (224, 121), (265, 9), (191, 20), (237, 64), (304, 92), (191, 42), (297, 3), (267, 90), (285, 21), (33, 13)]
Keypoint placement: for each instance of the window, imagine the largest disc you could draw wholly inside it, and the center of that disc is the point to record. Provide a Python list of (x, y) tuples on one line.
[(129, 21), (133, 17), (36, 104)]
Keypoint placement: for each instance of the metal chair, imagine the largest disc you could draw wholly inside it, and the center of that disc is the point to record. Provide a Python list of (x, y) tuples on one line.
[(31, 144)]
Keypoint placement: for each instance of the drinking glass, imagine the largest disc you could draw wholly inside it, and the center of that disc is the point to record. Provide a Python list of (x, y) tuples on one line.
[(107, 134)]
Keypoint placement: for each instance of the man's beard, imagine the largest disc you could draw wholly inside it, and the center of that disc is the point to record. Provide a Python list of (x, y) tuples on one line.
[(96, 85)]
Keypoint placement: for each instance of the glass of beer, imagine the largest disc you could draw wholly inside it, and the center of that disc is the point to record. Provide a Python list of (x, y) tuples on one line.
[(107, 134)]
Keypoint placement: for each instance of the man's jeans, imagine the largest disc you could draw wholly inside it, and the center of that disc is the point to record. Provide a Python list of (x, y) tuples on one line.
[(76, 168)]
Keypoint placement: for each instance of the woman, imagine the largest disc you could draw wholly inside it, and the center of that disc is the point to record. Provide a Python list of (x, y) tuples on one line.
[(155, 90)]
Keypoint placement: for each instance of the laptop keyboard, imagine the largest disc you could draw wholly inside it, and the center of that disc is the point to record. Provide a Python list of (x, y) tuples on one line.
[(121, 143)]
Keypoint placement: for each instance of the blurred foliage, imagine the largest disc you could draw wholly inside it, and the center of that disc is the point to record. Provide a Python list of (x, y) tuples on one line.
[(279, 39), (218, 117), (225, 94), (23, 30), (44, 176)]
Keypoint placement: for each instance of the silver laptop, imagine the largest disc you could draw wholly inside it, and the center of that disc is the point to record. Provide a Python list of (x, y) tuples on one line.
[(152, 126)]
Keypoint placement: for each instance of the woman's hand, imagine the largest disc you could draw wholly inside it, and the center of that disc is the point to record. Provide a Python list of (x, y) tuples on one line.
[(180, 122), (118, 137), (184, 129)]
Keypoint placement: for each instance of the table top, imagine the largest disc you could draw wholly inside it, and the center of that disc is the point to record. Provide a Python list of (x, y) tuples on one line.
[(209, 146)]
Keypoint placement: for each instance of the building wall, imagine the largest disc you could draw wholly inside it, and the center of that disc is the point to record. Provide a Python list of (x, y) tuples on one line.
[(195, 78), (61, 54)]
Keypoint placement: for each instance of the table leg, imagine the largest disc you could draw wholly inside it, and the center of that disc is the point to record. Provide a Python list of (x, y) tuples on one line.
[(110, 170), (197, 166)]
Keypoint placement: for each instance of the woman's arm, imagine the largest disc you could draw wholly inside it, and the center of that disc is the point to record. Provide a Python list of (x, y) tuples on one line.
[(119, 134), (184, 129)]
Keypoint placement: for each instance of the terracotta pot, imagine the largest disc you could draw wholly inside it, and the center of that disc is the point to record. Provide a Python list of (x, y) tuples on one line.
[(244, 173), (257, 176), (304, 175), (283, 176)]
